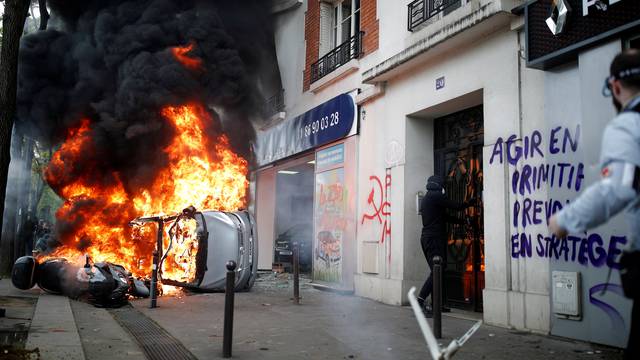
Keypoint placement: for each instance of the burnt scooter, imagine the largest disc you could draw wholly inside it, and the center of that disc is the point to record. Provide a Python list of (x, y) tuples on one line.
[(102, 284)]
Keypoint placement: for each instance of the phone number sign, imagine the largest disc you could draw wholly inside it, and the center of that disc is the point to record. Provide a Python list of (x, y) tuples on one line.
[(331, 121)]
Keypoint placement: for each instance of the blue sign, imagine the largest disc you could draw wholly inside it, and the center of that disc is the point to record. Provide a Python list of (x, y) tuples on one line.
[(331, 121), (330, 156), (440, 83)]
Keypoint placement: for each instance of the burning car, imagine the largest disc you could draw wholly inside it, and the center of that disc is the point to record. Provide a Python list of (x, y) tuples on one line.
[(201, 243)]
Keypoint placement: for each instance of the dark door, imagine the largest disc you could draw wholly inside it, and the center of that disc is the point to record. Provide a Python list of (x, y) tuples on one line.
[(458, 157)]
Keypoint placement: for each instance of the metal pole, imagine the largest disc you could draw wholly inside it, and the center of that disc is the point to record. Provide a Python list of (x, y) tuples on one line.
[(227, 336), (296, 273), (156, 260), (437, 297)]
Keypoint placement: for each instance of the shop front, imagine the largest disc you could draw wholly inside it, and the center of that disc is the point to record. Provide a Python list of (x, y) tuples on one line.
[(574, 46), (305, 192)]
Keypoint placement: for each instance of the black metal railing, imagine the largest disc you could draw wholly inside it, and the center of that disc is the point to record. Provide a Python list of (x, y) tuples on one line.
[(419, 11), (348, 50), (275, 103)]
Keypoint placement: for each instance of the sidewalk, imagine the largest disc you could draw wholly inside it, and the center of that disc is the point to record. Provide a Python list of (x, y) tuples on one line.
[(329, 326), (269, 326)]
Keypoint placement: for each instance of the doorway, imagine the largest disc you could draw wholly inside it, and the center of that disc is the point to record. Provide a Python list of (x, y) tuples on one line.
[(459, 138), (294, 215)]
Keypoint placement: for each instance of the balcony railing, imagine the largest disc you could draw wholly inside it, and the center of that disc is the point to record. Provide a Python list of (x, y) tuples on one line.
[(420, 11), (274, 104), (342, 54)]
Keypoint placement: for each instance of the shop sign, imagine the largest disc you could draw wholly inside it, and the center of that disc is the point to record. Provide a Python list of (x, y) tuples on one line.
[(558, 18), (555, 34), (331, 121), (330, 157)]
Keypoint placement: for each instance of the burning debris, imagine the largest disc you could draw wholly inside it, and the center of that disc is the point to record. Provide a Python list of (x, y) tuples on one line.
[(192, 250), (128, 88), (101, 284)]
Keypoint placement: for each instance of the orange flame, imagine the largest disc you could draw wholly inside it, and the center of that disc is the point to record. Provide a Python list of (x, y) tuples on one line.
[(201, 171), (181, 54)]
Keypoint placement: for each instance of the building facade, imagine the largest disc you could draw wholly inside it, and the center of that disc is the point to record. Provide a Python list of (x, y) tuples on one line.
[(465, 89)]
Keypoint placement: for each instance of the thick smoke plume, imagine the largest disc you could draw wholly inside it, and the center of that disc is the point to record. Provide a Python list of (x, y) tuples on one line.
[(112, 62)]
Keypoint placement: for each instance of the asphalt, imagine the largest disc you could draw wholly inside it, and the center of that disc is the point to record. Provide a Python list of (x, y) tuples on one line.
[(268, 325)]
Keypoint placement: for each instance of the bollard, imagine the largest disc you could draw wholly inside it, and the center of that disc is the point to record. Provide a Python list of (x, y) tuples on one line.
[(229, 291), (156, 261), (296, 273), (154, 281), (437, 297)]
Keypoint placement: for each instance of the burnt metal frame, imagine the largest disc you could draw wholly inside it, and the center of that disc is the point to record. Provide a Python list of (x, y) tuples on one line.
[(340, 55), (419, 11)]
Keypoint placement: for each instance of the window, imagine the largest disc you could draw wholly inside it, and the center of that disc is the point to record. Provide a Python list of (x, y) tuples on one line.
[(340, 36), (339, 21), (346, 20)]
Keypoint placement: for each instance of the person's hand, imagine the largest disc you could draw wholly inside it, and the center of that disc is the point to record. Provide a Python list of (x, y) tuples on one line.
[(556, 229)]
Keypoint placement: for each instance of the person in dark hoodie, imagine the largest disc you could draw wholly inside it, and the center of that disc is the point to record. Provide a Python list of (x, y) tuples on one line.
[(433, 209)]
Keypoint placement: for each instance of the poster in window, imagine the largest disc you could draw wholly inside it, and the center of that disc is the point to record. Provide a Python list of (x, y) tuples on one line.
[(330, 225)]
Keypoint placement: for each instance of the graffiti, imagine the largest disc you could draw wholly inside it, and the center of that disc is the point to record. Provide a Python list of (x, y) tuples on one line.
[(527, 211), (585, 250), (379, 207), (617, 321), (331, 194)]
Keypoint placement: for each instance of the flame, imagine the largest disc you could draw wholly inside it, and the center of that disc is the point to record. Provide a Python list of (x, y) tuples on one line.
[(181, 54), (201, 171)]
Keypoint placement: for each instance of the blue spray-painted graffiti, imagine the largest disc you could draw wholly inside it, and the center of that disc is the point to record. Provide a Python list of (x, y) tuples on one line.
[(617, 321), (526, 179)]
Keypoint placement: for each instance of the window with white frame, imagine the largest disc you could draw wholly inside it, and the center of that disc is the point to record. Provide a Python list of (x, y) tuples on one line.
[(339, 21)]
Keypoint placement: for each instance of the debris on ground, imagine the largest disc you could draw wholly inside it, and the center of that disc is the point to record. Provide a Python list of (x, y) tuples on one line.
[(13, 353), (271, 281)]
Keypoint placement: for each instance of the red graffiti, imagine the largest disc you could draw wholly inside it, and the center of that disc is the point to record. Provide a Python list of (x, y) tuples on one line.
[(379, 205), (332, 194)]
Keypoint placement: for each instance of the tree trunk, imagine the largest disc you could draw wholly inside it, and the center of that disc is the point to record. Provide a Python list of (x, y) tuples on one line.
[(10, 218), (24, 188), (15, 13)]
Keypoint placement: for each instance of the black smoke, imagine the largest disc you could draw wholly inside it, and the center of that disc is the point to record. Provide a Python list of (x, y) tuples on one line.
[(110, 61)]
